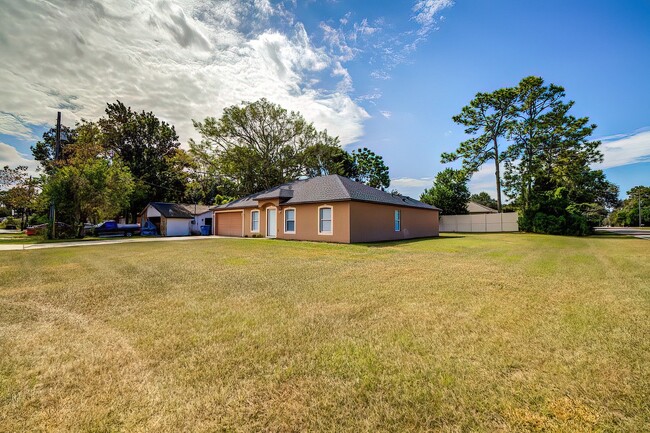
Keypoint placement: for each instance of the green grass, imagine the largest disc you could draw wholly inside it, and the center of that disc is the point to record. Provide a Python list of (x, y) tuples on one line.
[(503, 332), (22, 238)]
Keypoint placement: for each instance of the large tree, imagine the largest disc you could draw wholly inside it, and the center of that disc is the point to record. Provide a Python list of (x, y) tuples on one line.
[(549, 146), (370, 168), (627, 214), (258, 145), (19, 191), (149, 147), (89, 190), (449, 192), (548, 164), (44, 150), (488, 118), (322, 159)]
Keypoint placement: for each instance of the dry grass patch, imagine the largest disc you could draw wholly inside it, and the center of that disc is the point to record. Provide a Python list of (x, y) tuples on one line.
[(506, 332)]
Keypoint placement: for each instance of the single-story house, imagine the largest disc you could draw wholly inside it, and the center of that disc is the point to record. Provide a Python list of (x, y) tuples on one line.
[(329, 208), (474, 208), (176, 219)]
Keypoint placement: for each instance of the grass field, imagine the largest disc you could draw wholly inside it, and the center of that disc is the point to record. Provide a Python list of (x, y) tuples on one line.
[(506, 332)]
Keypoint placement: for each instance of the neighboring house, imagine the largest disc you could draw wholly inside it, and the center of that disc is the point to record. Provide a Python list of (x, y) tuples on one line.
[(327, 208), (475, 208), (174, 219)]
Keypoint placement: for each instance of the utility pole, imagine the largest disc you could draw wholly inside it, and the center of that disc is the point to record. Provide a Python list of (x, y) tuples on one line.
[(57, 155)]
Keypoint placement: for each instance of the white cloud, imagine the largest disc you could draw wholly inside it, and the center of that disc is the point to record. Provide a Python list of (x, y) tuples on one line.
[(380, 75), (386, 114), (182, 59), (409, 182), (426, 11), (484, 180), (11, 157), (371, 97), (11, 124), (625, 149)]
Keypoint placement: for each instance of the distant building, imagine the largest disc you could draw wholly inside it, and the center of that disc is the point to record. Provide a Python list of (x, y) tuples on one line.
[(475, 208), (176, 219)]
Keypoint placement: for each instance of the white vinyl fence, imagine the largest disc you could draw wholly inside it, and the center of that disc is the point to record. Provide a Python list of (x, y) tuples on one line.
[(480, 223)]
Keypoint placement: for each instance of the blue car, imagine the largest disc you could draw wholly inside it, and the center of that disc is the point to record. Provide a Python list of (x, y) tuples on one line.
[(112, 228)]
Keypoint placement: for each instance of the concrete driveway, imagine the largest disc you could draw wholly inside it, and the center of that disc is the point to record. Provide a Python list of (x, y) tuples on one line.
[(21, 247), (628, 231)]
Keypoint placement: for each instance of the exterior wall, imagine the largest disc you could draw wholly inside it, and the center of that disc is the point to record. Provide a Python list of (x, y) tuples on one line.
[(148, 212), (199, 221), (177, 226), (151, 212), (376, 222), (480, 223), (351, 222), (307, 222)]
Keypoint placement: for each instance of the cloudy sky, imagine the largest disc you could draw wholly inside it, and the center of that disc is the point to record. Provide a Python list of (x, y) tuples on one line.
[(388, 75)]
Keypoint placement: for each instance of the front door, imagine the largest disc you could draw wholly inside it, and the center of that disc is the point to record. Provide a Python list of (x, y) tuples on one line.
[(271, 222)]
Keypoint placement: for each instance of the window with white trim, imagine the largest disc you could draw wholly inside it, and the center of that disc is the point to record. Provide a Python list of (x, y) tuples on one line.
[(255, 221), (289, 220), (398, 220), (325, 220)]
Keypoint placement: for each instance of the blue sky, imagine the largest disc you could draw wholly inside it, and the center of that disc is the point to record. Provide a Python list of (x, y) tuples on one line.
[(386, 75)]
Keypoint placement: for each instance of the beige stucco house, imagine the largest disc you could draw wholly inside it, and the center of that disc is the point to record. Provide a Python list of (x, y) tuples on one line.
[(327, 208)]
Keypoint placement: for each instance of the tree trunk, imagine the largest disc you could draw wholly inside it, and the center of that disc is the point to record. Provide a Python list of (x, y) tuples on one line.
[(497, 173)]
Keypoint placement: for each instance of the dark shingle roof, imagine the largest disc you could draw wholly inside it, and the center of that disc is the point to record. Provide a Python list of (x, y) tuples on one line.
[(323, 189), (179, 210)]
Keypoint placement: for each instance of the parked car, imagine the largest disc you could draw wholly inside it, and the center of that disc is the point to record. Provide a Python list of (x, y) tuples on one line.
[(41, 229), (113, 228)]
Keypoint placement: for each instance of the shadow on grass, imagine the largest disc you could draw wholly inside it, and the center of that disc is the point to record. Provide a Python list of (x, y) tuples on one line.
[(611, 236), (383, 244)]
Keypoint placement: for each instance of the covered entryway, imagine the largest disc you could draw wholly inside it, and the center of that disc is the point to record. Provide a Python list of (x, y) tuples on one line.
[(271, 222), (229, 223)]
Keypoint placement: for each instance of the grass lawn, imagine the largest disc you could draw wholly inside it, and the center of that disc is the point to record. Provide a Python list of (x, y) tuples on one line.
[(504, 332), (22, 238)]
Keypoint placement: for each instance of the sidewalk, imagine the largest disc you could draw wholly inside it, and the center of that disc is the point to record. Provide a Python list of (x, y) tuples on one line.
[(21, 247)]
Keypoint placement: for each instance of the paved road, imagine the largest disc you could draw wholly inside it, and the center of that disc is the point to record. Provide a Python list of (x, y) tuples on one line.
[(629, 231), (19, 247)]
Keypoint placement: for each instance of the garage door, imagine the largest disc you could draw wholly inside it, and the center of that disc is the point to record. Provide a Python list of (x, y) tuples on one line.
[(229, 224)]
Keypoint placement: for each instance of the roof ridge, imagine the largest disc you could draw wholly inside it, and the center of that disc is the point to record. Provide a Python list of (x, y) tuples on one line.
[(345, 188)]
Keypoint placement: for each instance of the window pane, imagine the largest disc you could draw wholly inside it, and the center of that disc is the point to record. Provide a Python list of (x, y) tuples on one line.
[(255, 221), (326, 226), (397, 221), (290, 215), (291, 226), (326, 213)]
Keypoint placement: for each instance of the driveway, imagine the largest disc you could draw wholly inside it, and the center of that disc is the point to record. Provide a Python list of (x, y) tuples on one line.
[(19, 247), (628, 231)]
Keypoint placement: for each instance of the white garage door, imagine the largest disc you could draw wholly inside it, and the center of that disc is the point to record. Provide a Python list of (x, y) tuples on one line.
[(178, 227)]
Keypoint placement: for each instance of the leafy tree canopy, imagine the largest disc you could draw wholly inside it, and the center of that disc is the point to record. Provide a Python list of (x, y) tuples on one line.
[(449, 192), (627, 213), (258, 145), (484, 199)]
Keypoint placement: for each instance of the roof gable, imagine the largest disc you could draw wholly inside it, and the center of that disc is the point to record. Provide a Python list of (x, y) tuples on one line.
[(473, 207)]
